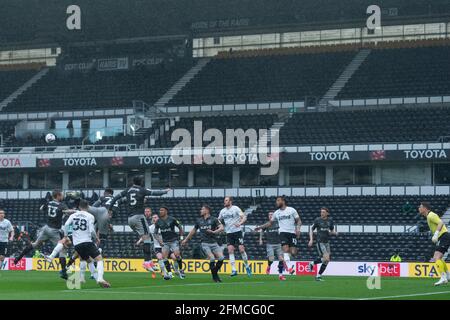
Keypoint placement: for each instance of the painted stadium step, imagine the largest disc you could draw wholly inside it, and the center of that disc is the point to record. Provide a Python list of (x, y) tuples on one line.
[(182, 82), (340, 83), (23, 88)]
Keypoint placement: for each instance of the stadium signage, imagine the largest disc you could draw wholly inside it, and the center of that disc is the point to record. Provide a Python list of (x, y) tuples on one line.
[(425, 154), (329, 156), (147, 61), (152, 160), (377, 155), (19, 162), (80, 162), (335, 268), (81, 66), (112, 64)]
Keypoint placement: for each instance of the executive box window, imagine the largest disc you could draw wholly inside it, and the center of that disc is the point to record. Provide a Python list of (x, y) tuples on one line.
[(223, 177), (203, 177), (178, 177), (86, 179), (45, 180), (306, 176), (442, 174), (12, 180), (413, 175), (347, 175), (213, 177), (249, 176), (169, 177)]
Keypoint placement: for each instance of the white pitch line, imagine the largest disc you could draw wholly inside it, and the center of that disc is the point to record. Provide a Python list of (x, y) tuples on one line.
[(407, 295), (174, 285), (223, 295)]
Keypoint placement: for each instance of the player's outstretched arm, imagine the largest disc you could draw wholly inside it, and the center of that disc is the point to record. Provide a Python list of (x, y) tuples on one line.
[(116, 198), (150, 192), (189, 236), (266, 225)]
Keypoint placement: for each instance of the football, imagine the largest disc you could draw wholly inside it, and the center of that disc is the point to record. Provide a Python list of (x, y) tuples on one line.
[(50, 138)]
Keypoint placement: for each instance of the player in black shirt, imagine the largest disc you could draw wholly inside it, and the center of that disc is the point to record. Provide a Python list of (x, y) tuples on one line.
[(208, 228), (325, 227), (167, 237), (55, 210), (103, 216), (135, 198), (273, 246)]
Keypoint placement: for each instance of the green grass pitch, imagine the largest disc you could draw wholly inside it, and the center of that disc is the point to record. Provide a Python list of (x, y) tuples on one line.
[(47, 285)]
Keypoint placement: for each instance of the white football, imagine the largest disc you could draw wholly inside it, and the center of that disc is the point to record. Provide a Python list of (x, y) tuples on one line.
[(50, 137)]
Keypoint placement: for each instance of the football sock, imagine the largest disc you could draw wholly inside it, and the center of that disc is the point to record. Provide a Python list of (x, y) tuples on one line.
[(440, 265), (180, 262), (322, 268), (287, 259), (71, 261), (147, 252), (92, 268), (280, 267), (232, 262), (212, 266), (83, 265), (62, 262), (167, 265), (100, 270), (219, 264), (27, 249), (245, 258), (56, 251), (162, 267)]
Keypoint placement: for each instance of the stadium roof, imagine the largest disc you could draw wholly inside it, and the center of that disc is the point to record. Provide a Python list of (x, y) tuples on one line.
[(44, 21)]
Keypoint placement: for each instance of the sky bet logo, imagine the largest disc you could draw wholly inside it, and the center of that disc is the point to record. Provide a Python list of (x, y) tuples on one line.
[(380, 269)]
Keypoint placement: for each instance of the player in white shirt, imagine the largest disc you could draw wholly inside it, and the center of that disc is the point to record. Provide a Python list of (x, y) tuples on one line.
[(83, 231), (232, 218), (6, 234), (289, 224)]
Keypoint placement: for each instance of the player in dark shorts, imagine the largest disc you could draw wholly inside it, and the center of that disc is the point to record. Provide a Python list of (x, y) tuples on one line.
[(103, 215), (165, 234), (209, 227), (441, 239), (55, 210), (135, 198), (325, 228), (273, 246)]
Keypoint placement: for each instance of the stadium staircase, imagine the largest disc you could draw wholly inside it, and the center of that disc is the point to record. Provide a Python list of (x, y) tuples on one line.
[(274, 130), (23, 88), (340, 83), (446, 217), (181, 83)]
